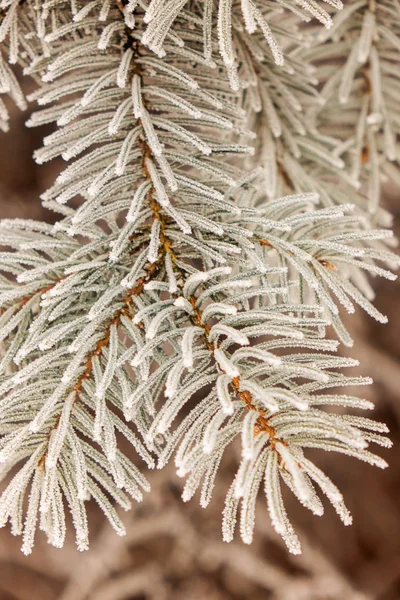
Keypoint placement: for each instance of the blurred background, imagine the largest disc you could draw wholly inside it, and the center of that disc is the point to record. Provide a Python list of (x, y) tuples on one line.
[(174, 551)]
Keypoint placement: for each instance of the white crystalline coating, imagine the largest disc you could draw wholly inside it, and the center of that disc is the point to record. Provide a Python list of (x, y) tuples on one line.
[(107, 34), (258, 354), (158, 29), (178, 218), (167, 172), (107, 509), (49, 485), (47, 408), (216, 308), (158, 320), (119, 246), (167, 414), (193, 281), (152, 254), (162, 195), (126, 153), (58, 435), (248, 439), (103, 303), (151, 135), (137, 97), (102, 82), (275, 504), (58, 528), (329, 489), (120, 322), (235, 335), (13, 444), (81, 14), (173, 378), (224, 395), (111, 363), (265, 396), (248, 15), (79, 464), (244, 475), (211, 432), (274, 46), (123, 69), (154, 285), (284, 395), (225, 31), (290, 464), (181, 302), (248, 508), (137, 201), (230, 514), (32, 514), (178, 131), (119, 116), (105, 9), (187, 345), (226, 364), (176, 100), (172, 281), (110, 449)]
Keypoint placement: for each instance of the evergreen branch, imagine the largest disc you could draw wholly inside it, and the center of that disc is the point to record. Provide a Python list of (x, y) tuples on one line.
[(362, 91), (175, 275)]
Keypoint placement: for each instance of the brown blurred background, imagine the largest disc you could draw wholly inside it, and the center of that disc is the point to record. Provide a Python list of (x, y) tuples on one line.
[(174, 551)]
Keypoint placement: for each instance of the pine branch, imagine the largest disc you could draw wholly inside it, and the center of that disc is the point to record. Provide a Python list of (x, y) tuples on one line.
[(362, 91), (175, 275)]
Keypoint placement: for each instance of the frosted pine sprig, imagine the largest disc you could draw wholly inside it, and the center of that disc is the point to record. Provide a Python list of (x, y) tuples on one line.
[(361, 91), (265, 414), (183, 267)]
